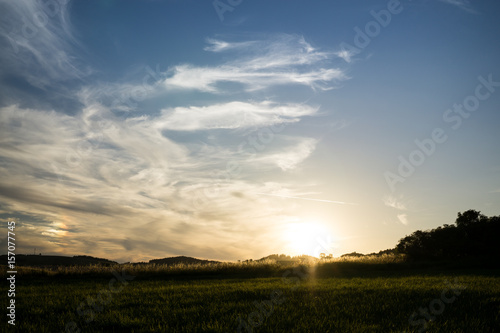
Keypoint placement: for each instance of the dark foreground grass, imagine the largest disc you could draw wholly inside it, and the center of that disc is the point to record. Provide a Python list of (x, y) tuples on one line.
[(297, 301)]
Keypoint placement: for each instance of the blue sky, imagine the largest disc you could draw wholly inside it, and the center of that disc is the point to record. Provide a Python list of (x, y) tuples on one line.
[(228, 130)]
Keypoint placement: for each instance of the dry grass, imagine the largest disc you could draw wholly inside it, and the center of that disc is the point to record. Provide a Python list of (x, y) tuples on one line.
[(250, 269)]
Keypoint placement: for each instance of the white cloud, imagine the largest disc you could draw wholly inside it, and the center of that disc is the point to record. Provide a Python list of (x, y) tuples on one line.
[(232, 115), (393, 202), (396, 203), (38, 43), (93, 181), (462, 4), (345, 54), (283, 60), (403, 218), (216, 45), (207, 78), (292, 157)]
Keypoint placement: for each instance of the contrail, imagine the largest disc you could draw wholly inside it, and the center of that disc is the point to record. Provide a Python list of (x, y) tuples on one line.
[(311, 199)]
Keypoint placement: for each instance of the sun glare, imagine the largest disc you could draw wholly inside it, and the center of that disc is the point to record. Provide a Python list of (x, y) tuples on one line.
[(306, 238)]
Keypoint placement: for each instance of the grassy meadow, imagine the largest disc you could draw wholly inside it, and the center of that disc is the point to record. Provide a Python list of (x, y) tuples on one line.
[(368, 295)]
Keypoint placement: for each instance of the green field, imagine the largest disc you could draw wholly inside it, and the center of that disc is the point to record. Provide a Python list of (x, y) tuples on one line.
[(259, 298)]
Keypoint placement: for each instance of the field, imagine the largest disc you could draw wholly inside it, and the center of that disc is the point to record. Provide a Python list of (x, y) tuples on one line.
[(259, 297)]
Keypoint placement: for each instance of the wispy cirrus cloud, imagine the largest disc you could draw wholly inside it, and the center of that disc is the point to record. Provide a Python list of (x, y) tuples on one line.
[(291, 158), (346, 55), (233, 115), (397, 204), (283, 60), (403, 218), (393, 202), (38, 43), (305, 198), (216, 45), (207, 78), (462, 4), (93, 175), (279, 51), (94, 178)]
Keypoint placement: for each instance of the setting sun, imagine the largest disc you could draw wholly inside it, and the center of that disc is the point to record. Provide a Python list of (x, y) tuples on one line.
[(309, 238)]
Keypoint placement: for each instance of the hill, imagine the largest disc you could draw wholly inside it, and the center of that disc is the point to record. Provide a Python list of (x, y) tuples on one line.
[(182, 260), (41, 260)]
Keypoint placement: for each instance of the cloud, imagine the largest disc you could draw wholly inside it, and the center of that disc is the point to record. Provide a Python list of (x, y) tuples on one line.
[(207, 78), (105, 183), (462, 4), (346, 55), (403, 218), (233, 115), (310, 199), (393, 202), (38, 43), (291, 158), (282, 60), (30, 196), (125, 95), (215, 45), (98, 181)]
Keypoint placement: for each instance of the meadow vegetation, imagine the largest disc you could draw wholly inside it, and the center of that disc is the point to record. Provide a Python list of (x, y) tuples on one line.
[(375, 294)]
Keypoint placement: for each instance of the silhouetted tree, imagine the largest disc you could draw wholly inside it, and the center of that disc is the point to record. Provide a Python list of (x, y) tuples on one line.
[(469, 217), (474, 235)]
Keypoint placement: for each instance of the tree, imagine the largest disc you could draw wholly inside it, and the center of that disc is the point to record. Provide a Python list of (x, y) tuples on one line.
[(474, 236), (469, 217)]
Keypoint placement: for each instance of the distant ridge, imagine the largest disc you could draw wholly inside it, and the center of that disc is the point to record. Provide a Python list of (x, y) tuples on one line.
[(83, 260), (181, 260), (39, 260), (352, 254)]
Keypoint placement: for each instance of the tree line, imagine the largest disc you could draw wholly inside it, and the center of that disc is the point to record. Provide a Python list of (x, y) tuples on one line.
[(473, 235)]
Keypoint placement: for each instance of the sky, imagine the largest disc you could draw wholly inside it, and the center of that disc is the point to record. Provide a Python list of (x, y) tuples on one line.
[(235, 129)]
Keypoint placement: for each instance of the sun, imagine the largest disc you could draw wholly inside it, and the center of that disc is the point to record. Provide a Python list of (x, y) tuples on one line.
[(305, 238)]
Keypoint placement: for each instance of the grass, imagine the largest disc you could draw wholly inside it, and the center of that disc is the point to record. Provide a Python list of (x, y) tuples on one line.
[(247, 269), (340, 296)]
